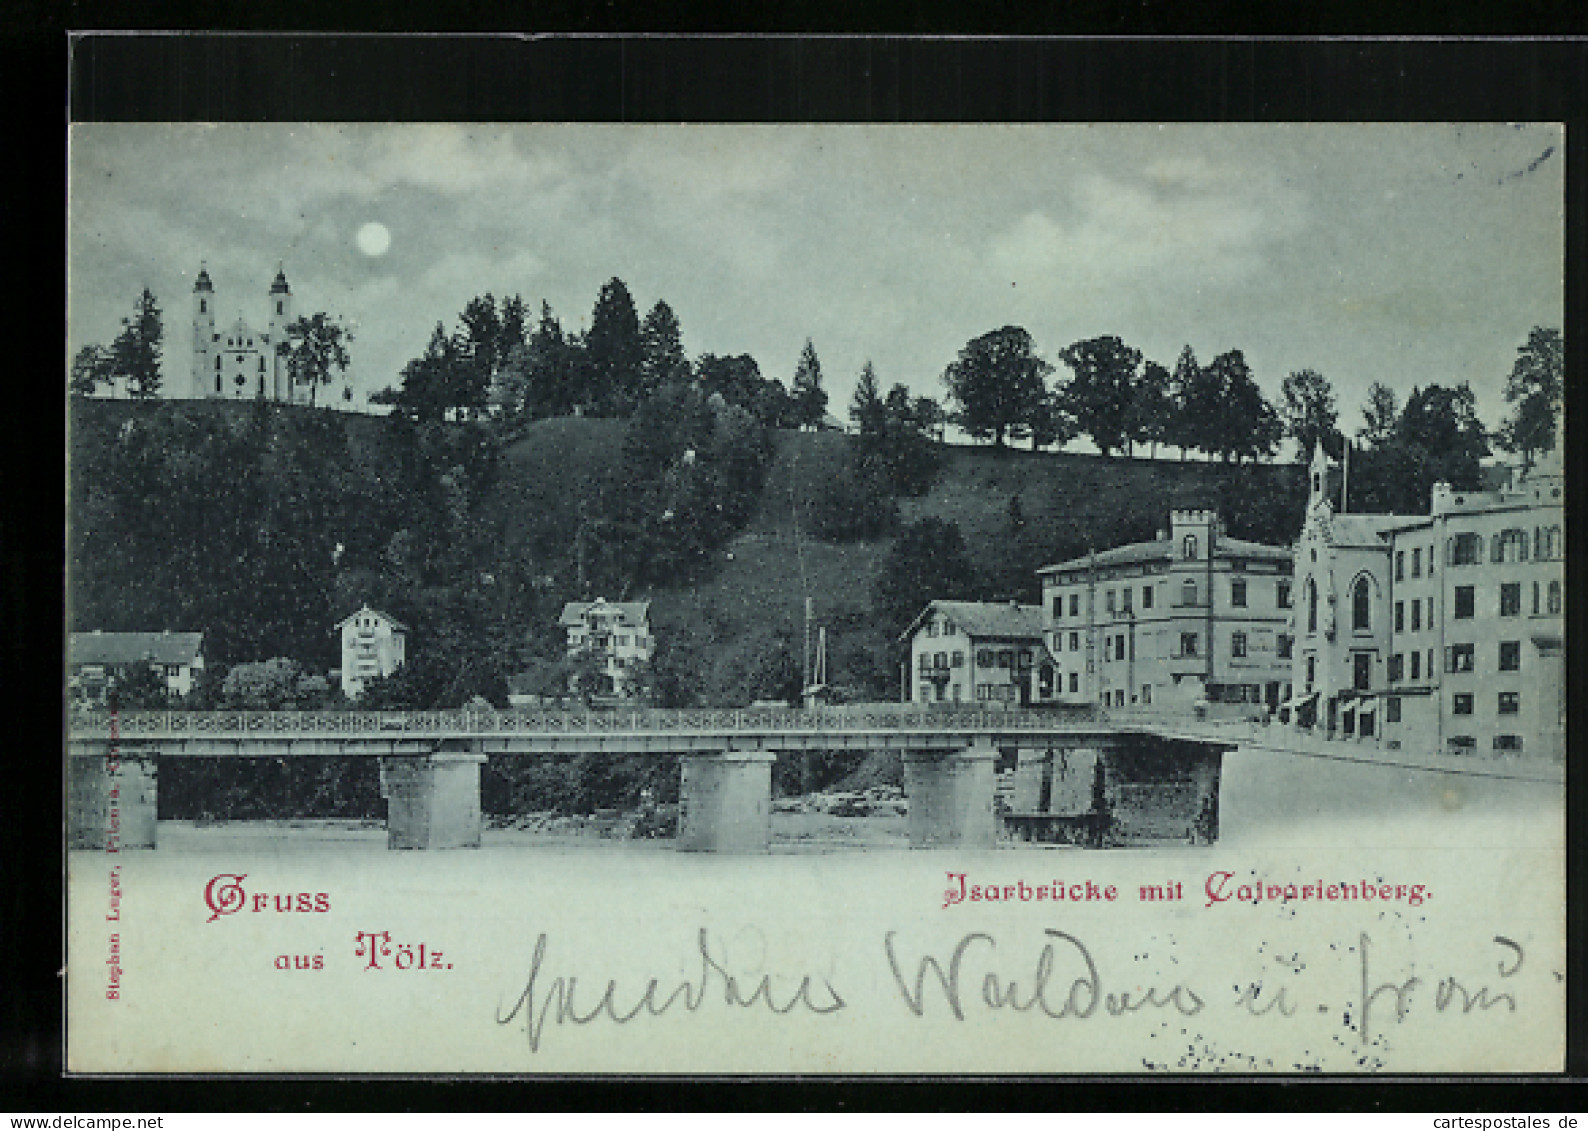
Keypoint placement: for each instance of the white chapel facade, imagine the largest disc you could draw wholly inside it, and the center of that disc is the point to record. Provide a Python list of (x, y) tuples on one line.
[(239, 361)]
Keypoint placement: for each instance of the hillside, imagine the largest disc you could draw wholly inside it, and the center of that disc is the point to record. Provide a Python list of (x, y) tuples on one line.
[(738, 627)]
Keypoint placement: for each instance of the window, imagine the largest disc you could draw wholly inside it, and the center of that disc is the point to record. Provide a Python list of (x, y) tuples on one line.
[(1417, 562), (279, 306), (1417, 666), (1392, 709), (1509, 546), (931, 628), (1075, 604), (1510, 743), (1075, 682), (1511, 599), (1119, 647), (1188, 644), (1554, 598), (1367, 724), (1312, 670), (1146, 693), (1312, 605), (217, 363), (1238, 593), (1465, 549), (1188, 548), (1362, 670), (1461, 742), (1284, 595), (1464, 602), (1075, 641), (1400, 565), (1510, 655), (1238, 645), (1417, 614), (1286, 645), (1109, 601), (1006, 658), (1361, 604), (1510, 702), (958, 659), (1459, 657), (1552, 544), (1461, 703), (1058, 606), (1108, 648), (1188, 592), (1397, 667), (1125, 596), (1535, 598), (948, 627), (1400, 616), (985, 658), (1146, 596)]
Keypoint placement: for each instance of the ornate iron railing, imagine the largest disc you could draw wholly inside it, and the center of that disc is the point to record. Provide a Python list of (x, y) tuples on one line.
[(478, 723)]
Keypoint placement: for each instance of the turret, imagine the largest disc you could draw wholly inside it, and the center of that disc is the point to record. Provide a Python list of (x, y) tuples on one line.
[(278, 319), (204, 372), (1319, 483)]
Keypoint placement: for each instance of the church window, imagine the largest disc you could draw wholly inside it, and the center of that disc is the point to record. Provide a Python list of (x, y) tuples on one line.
[(278, 306), (261, 365), (1312, 606), (203, 306), (217, 363), (1361, 597)]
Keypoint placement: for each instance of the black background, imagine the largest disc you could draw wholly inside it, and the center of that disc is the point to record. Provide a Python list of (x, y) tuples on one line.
[(588, 71)]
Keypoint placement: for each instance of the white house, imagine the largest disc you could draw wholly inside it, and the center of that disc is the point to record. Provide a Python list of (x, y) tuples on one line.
[(372, 647), (617, 633), (96, 660), (978, 652)]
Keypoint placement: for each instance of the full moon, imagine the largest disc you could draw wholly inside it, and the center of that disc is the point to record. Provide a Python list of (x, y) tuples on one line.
[(373, 239)]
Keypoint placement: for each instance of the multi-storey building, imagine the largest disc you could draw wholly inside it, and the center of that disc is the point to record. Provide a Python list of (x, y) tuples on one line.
[(96, 661), (1193, 617), (1461, 612), (978, 653), (372, 647), (617, 634)]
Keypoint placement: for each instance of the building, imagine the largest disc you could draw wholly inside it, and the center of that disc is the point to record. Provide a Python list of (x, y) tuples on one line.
[(1461, 612), (1193, 620), (242, 361), (617, 634), (96, 661), (987, 654), (373, 646)]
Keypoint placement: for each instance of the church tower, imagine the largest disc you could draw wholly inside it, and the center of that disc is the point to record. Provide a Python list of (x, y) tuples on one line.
[(280, 317), (206, 375)]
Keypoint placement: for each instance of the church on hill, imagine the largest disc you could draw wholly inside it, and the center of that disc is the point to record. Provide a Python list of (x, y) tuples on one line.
[(243, 361)]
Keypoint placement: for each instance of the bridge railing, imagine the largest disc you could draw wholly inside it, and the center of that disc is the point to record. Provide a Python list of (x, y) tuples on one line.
[(479, 722)]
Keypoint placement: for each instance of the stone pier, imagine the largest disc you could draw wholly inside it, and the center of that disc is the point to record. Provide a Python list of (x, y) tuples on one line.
[(112, 805), (432, 800), (951, 796), (725, 801)]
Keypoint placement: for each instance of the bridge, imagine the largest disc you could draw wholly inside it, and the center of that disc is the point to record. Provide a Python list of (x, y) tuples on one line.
[(1121, 778)]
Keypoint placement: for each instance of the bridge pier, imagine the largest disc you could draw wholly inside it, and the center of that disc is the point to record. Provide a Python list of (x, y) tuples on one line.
[(951, 796), (725, 801), (432, 800), (112, 804)]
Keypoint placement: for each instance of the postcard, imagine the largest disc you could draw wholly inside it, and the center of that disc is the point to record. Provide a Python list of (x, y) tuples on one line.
[(812, 599)]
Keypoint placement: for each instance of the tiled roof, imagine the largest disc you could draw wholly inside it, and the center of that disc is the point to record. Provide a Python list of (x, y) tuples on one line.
[(987, 618), (113, 648), (632, 614), (1364, 529), (395, 623), (1162, 549)]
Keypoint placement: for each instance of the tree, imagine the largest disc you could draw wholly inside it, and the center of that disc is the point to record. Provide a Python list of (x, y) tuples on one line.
[(1150, 418), (1253, 428), (1187, 426), (550, 369), (135, 354), (662, 357), (1309, 412), (90, 367), (1099, 393), (1379, 414), (613, 349), (1534, 387), (268, 685), (866, 408), (928, 561), (315, 352), (810, 399), (1444, 423), (426, 391), (997, 381)]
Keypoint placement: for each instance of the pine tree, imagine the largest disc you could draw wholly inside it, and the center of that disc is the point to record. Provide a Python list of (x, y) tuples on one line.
[(810, 399)]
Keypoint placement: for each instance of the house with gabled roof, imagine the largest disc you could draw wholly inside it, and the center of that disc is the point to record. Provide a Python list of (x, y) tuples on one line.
[(96, 660), (981, 653), (374, 645), (617, 634)]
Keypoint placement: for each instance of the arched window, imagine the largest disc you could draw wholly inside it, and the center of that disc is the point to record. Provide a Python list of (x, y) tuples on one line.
[(1188, 592), (1509, 546), (1188, 548), (1312, 605), (1361, 605), (1317, 483), (203, 306)]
